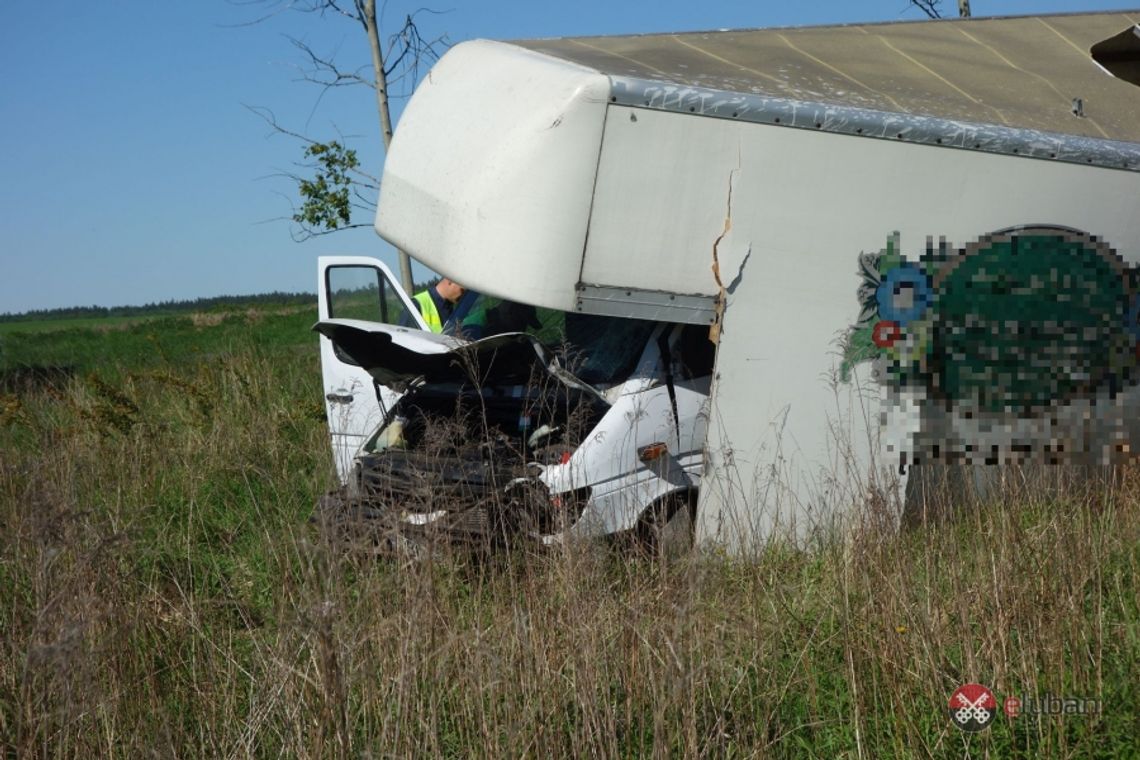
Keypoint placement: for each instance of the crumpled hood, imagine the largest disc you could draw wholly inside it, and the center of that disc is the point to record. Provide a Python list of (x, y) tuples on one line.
[(398, 356)]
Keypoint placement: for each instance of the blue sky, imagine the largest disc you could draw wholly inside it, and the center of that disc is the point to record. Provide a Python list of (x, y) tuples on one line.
[(133, 171)]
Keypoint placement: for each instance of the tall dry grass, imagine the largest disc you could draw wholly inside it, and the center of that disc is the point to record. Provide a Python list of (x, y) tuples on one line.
[(162, 594)]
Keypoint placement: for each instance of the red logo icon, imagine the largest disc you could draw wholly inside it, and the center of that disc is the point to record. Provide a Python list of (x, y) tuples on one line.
[(886, 334), (972, 707)]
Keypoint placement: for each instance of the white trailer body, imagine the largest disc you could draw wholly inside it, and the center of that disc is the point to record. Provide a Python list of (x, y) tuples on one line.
[(913, 242)]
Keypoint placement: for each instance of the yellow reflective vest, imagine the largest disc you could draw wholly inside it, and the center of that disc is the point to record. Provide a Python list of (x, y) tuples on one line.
[(429, 312)]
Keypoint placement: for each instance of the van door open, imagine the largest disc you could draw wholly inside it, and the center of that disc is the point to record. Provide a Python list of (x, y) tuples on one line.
[(358, 288)]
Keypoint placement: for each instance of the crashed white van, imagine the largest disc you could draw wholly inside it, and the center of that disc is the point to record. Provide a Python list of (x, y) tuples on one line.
[(911, 243), (556, 425)]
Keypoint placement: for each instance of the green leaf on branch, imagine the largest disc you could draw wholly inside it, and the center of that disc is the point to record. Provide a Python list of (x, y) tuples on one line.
[(325, 199)]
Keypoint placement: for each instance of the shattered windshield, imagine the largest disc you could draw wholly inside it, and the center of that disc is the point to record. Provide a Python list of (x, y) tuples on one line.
[(603, 350), (599, 350)]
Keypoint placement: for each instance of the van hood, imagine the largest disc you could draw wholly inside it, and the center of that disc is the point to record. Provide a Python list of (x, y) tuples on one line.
[(399, 357)]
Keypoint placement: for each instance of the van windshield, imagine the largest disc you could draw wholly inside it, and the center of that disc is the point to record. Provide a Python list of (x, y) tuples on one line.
[(601, 351)]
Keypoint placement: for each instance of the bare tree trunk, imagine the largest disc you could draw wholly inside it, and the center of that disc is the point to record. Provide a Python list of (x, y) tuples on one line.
[(964, 8), (367, 10)]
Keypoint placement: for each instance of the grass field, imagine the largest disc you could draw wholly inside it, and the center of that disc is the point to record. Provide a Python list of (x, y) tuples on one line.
[(172, 342), (101, 324), (163, 594)]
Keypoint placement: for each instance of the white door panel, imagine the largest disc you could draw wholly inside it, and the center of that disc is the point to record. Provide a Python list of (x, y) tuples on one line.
[(362, 288)]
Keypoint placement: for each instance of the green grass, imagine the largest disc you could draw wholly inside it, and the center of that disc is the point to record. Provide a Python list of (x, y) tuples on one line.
[(161, 592), (54, 325), (117, 343)]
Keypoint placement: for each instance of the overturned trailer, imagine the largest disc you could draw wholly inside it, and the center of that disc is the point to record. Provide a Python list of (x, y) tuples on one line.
[(912, 243)]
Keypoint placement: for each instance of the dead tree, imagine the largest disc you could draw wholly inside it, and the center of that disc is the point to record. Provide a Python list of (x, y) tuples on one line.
[(340, 184)]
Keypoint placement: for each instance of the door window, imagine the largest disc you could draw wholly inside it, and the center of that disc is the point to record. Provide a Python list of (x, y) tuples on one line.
[(363, 292)]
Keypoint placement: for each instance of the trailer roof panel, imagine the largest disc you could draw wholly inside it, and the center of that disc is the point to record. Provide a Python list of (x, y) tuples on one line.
[(1017, 72)]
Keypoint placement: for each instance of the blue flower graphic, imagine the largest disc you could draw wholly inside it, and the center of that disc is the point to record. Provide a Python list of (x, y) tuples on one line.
[(904, 295), (1132, 323)]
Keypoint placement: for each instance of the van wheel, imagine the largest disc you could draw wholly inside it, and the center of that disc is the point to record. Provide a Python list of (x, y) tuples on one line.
[(668, 527)]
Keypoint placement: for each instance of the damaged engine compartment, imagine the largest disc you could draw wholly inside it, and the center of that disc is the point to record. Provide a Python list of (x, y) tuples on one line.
[(459, 455)]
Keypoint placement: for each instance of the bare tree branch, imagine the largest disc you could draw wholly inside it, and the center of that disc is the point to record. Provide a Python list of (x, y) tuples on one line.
[(324, 71), (339, 186), (409, 45), (301, 234), (363, 179), (929, 7), (296, 233)]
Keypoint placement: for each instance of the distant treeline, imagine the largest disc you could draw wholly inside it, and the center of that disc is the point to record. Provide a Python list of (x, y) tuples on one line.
[(171, 308)]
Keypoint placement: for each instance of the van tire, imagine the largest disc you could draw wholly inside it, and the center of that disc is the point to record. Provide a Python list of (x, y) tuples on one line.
[(668, 526)]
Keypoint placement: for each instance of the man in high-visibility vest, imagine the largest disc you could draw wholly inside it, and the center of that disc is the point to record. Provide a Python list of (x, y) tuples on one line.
[(437, 303)]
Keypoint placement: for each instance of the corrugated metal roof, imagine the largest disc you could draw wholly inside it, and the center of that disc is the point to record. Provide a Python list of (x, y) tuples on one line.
[(1018, 72)]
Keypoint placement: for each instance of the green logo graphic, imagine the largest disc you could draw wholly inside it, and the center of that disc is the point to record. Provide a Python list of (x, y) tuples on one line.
[(1018, 322)]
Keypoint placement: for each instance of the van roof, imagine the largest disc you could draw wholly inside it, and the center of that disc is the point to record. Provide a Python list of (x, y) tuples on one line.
[(1030, 72)]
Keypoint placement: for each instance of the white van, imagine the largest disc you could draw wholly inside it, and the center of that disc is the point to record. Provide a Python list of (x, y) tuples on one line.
[(916, 243), (574, 425)]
